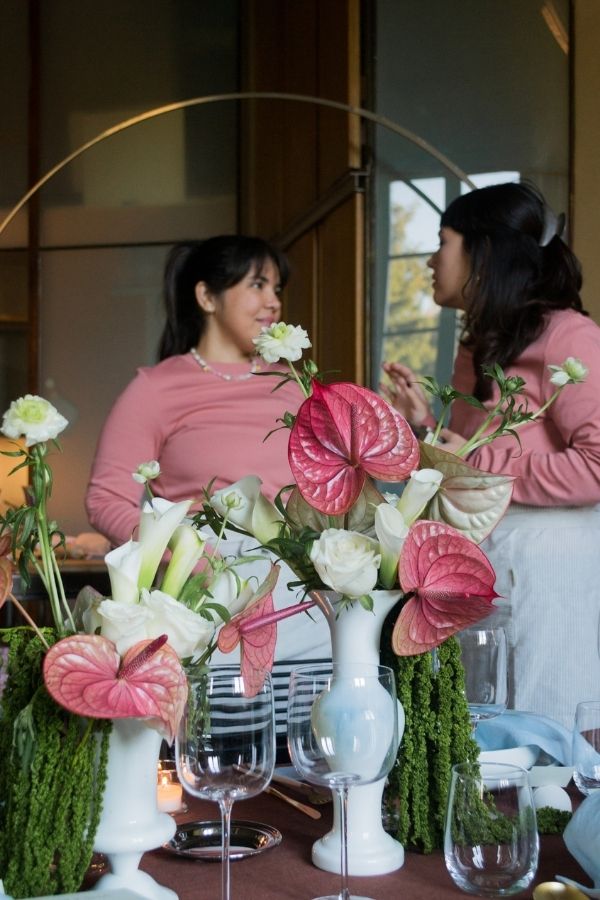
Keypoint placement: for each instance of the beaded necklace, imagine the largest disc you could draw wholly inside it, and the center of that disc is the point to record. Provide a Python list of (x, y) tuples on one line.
[(206, 367)]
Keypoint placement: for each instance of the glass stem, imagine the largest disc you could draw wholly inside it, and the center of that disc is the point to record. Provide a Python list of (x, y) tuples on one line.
[(342, 793), (225, 804)]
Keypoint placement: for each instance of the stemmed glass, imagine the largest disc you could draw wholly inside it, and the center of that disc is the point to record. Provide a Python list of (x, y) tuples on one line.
[(342, 731), (485, 660), (225, 748)]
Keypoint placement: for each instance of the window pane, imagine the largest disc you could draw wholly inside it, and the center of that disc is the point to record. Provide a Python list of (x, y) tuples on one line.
[(415, 209)]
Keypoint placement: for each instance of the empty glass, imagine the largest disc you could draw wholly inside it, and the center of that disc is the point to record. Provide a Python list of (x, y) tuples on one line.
[(586, 746), (491, 843), (225, 748), (485, 660)]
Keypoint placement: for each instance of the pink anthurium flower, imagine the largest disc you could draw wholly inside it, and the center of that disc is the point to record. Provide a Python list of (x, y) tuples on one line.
[(452, 583), (85, 674), (343, 433), (257, 649)]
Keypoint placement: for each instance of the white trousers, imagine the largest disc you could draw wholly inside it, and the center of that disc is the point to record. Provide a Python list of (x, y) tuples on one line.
[(547, 564)]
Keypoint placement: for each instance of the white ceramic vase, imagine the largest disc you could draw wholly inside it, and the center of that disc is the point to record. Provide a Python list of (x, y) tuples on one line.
[(355, 638), (130, 822)]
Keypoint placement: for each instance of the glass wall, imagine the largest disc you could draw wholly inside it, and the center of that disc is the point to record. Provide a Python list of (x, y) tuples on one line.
[(486, 83)]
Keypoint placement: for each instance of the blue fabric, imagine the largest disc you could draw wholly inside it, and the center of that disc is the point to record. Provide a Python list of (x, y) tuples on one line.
[(520, 729)]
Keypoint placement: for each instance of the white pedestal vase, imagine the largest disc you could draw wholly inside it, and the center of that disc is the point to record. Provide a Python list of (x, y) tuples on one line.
[(130, 822), (355, 637)]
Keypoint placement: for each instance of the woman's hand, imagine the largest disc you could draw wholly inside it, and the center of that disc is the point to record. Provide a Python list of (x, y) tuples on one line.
[(406, 395), (451, 440)]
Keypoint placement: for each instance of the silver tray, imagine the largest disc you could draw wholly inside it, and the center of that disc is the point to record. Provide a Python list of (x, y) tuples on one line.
[(202, 840)]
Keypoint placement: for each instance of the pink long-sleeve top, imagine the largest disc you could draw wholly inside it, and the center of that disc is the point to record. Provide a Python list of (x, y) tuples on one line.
[(559, 463), (199, 427)]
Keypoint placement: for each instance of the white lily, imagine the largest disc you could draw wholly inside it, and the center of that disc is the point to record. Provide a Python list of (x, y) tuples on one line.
[(158, 521), (421, 487), (124, 564), (187, 545), (391, 530), (245, 506)]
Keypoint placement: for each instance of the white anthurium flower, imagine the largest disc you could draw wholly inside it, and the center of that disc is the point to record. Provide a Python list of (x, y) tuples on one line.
[(418, 491), (124, 564), (245, 506), (146, 472), (281, 341), (186, 545), (158, 521), (33, 418), (346, 561), (391, 530), (188, 632), (123, 623), (572, 371)]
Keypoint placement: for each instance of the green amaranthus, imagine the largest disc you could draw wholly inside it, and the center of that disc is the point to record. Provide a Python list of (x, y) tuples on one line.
[(51, 780)]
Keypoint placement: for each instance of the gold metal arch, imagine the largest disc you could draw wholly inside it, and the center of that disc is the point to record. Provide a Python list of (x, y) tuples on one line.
[(378, 119)]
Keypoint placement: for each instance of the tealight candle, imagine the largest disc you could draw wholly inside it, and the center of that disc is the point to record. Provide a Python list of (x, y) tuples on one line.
[(169, 795)]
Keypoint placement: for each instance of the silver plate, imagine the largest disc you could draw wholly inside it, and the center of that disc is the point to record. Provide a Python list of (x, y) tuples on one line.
[(202, 840)]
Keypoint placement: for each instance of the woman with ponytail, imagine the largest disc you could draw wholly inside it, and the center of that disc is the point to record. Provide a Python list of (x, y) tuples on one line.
[(200, 412), (502, 261)]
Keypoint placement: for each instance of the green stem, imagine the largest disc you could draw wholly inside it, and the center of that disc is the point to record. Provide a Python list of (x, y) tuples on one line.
[(28, 619), (50, 575), (298, 379)]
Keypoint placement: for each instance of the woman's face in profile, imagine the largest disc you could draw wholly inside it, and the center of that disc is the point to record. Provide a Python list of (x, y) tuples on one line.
[(451, 269)]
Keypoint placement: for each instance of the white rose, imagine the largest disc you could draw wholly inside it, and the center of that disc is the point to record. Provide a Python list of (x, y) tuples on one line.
[(572, 371), (346, 561), (281, 341), (188, 632), (245, 506), (123, 623), (33, 418)]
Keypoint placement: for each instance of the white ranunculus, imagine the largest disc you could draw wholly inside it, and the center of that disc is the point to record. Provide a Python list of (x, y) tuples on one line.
[(186, 545), (281, 341), (124, 564), (188, 632), (418, 491), (123, 623), (147, 471), (391, 531), (245, 506), (33, 418), (572, 371), (346, 561), (158, 521)]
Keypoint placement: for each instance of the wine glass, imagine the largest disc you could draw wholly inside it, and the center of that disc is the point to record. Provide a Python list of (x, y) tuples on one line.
[(342, 731), (491, 842), (225, 748), (485, 661)]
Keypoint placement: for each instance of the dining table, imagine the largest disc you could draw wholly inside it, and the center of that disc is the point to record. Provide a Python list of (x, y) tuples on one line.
[(285, 871)]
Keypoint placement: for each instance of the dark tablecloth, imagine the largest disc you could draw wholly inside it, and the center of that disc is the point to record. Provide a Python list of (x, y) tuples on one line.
[(286, 872)]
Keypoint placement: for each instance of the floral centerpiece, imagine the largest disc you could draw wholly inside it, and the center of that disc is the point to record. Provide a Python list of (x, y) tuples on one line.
[(104, 660), (337, 530)]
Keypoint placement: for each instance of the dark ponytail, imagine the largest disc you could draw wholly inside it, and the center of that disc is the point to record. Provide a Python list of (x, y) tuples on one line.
[(220, 262)]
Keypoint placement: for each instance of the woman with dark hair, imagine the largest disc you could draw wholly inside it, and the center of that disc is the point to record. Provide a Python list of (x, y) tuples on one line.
[(200, 412), (502, 261)]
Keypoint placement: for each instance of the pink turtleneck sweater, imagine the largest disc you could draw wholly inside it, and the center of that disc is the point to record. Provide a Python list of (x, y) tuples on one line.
[(199, 427), (559, 463)]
